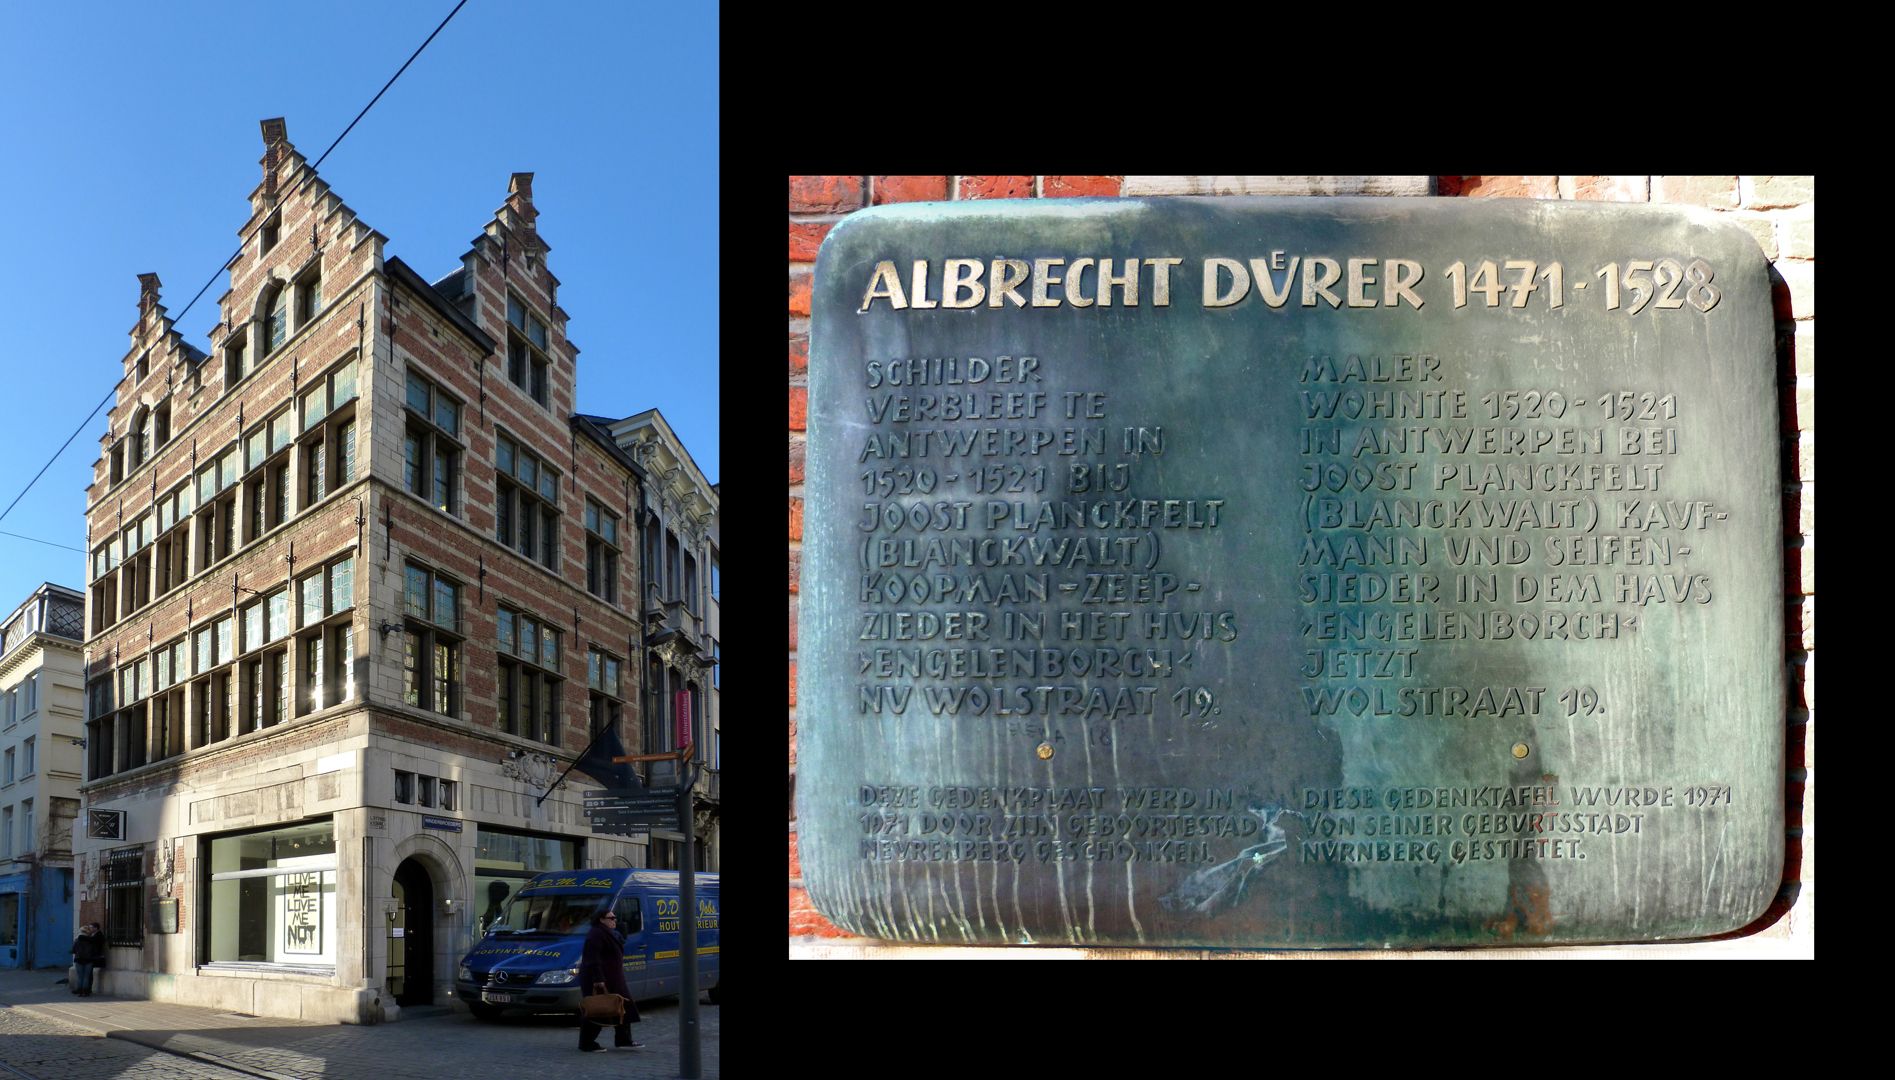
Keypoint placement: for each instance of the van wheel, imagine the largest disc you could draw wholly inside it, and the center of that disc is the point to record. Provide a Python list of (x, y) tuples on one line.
[(714, 992), (485, 1013)]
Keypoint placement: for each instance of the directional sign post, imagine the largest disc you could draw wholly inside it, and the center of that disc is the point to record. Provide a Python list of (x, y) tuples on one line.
[(690, 1065)]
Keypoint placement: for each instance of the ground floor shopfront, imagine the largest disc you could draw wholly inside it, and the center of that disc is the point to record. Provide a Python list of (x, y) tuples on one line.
[(36, 928), (337, 879)]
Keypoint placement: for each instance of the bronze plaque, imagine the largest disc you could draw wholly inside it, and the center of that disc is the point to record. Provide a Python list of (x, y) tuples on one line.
[(1291, 572)]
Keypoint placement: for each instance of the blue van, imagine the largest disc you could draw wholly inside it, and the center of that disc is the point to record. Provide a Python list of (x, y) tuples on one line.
[(529, 959)]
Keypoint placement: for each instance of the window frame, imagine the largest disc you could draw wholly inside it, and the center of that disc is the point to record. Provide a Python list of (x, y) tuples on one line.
[(526, 517), (328, 677), (123, 873), (432, 443), (429, 644), (527, 689), (529, 365), (605, 685), (602, 551)]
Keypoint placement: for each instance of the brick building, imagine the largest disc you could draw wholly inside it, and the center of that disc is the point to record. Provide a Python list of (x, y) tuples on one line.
[(357, 596)]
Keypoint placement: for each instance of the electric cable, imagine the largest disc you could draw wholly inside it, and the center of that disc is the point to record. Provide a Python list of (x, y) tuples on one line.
[(309, 174)]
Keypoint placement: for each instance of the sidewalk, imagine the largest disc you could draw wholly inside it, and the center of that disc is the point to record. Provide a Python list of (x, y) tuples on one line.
[(428, 1043)]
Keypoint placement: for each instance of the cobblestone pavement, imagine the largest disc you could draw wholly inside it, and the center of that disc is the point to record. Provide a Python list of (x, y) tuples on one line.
[(48, 1050), (423, 1045)]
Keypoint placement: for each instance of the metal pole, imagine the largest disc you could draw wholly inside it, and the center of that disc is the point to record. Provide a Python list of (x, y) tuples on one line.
[(690, 1065)]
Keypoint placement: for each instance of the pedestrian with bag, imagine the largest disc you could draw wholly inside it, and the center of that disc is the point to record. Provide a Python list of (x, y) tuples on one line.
[(88, 955), (602, 979)]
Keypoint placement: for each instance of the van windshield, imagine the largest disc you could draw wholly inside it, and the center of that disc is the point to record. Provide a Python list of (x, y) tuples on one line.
[(548, 915)]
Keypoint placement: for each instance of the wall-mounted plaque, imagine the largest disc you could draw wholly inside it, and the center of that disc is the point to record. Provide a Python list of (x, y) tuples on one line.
[(163, 917), (1319, 572)]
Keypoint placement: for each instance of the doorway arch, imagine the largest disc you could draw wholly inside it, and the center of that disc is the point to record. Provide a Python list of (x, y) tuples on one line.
[(411, 954)]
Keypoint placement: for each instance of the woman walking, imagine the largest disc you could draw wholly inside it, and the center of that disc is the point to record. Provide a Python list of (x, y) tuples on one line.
[(603, 961)]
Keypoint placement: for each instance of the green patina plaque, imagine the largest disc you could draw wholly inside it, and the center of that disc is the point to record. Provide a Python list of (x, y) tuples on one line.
[(1291, 572)]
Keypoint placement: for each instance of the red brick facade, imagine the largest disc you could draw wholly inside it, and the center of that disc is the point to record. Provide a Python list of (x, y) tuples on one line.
[(376, 315)]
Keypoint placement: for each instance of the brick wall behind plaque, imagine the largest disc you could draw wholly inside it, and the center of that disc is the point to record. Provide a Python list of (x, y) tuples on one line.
[(1780, 211)]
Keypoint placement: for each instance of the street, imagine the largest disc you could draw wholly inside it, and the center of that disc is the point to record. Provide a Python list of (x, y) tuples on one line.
[(46, 1034)]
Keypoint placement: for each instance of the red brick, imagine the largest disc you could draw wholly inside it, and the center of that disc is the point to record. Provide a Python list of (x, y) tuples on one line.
[(1054, 187), (796, 861), (792, 762), (793, 704), (796, 461), (796, 568), (799, 353), (792, 623), (1798, 500), (1510, 187), (806, 921), (799, 408), (806, 237), (825, 194), (1793, 288), (799, 293), (996, 187), (1801, 626), (1449, 185), (1799, 570), (1809, 682), (796, 519), (1717, 192), (894, 189)]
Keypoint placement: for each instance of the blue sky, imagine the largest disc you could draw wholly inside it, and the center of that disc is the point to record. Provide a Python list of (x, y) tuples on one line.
[(129, 141)]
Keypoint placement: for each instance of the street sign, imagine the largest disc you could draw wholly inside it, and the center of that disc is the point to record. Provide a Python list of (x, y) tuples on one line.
[(639, 804)]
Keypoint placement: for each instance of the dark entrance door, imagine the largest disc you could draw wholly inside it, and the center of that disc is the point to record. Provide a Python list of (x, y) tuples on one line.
[(411, 956)]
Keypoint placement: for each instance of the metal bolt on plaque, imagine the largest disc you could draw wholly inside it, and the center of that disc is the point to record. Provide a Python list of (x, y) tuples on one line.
[(1173, 570)]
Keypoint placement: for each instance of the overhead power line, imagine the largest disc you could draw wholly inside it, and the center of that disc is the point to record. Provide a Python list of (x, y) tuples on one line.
[(307, 176), (37, 540)]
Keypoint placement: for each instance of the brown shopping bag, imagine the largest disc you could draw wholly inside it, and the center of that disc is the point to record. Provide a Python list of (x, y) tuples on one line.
[(604, 1009)]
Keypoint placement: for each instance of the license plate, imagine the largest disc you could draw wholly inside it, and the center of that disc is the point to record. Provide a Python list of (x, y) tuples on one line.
[(492, 998)]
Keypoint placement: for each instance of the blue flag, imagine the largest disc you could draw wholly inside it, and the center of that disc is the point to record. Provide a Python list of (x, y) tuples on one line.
[(597, 762)]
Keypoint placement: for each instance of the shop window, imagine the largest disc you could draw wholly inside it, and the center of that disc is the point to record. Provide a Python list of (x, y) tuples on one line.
[(504, 861), (271, 897)]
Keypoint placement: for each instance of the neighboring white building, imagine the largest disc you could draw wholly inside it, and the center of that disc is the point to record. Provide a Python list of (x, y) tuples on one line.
[(42, 719), (678, 522)]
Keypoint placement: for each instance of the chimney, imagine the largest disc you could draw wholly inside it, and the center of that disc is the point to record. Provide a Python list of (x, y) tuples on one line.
[(147, 294), (520, 198), (275, 143)]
